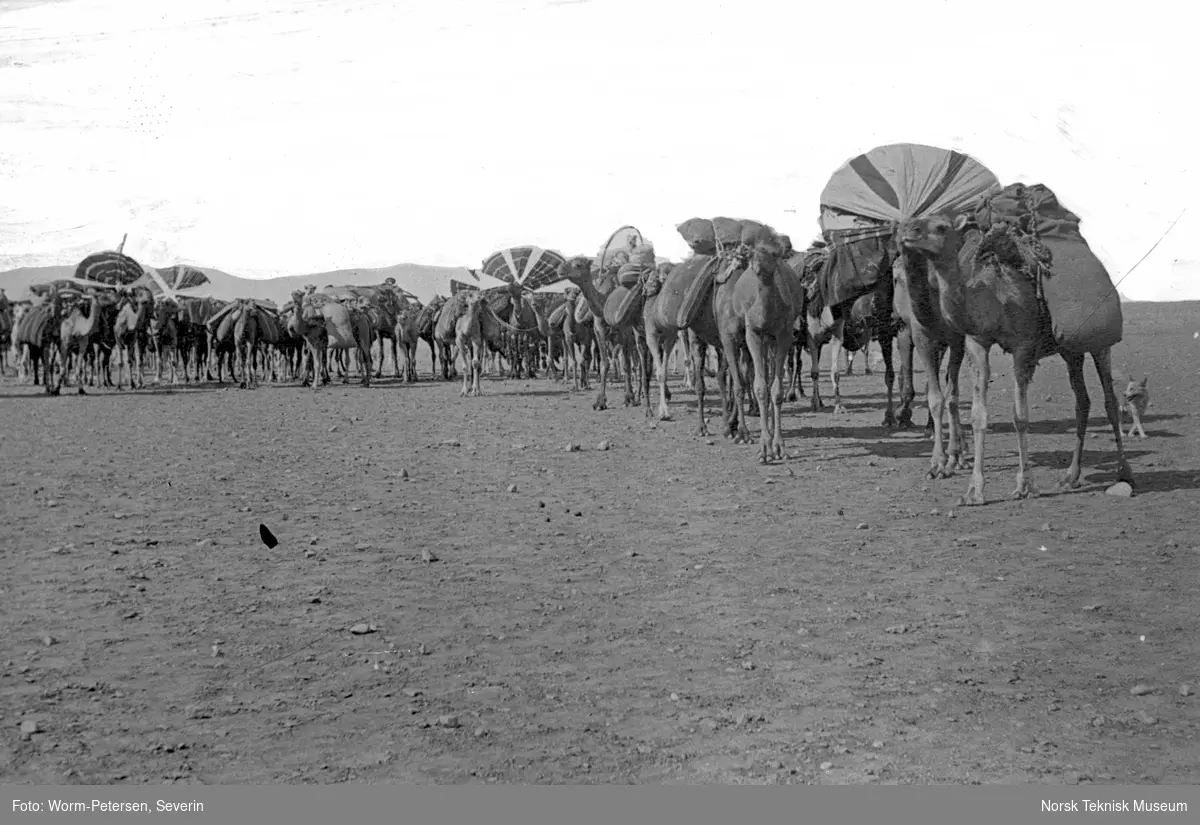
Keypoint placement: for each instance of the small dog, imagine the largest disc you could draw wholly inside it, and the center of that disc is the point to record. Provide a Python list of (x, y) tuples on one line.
[(1137, 399)]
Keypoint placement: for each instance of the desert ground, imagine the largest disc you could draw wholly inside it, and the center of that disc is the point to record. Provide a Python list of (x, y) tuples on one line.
[(457, 597)]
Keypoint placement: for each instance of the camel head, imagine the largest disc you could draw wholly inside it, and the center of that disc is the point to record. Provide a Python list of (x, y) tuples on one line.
[(576, 270), (165, 311), (933, 237)]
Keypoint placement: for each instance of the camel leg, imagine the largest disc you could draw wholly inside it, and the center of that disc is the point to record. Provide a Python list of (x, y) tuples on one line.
[(979, 417), (628, 363), (1103, 362), (661, 344), (467, 379), (814, 374), (779, 353), (836, 349), (603, 346), (953, 372), (756, 342), (908, 392), (930, 354), (476, 370), (698, 352), (889, 378), (1024, 365), (736, 425)]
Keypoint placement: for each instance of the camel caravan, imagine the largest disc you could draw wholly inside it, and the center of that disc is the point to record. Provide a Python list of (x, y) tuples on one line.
[(922, 250)]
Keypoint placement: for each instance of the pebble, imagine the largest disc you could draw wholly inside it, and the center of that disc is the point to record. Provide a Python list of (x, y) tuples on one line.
[(404, 474), (862, 525), (448, 721), (333, 429), (479, 732), (1121, 489), (1141, 690), (428, 556), (896, 628), (747, 665), (1185, 690), (1146, 718), (49, 640), (1045, 528), (572, 448), (362, 628), (603, 445), (826, 766), (29, 727), (512, 488)]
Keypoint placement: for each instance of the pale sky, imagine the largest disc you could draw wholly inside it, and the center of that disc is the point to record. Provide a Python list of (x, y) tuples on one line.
[(292, 136)]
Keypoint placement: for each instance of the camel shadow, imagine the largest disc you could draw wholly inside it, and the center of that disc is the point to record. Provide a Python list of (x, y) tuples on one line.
[(1066, 426), (1157, 481)]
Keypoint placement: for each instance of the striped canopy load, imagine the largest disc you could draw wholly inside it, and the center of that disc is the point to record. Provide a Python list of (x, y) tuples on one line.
[(871, 192), (459, 286), (530, 266), (180, 276), (112, 268)]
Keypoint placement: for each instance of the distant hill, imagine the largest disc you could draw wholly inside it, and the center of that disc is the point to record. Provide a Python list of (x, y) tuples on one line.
[(422, 281)]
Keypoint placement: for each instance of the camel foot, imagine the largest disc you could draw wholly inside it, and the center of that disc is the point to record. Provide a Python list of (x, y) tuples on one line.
[(630, 401), (868, 371), (889, 420), (242, 385), (1069, 481), (1024, 489), (817, 406), (792, 396), (667, 394), (840, 409), (974, 495), (940, 470), (80, 391), (600, 404)]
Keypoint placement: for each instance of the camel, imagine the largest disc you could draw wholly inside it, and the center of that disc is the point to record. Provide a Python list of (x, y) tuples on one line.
[(761, 302), (947, 282), (78, 332), (426, 320), (407, 334), (245, 340), (329, 324), (459, 327), (629, 336), (468, 339), (19, 352), (6, 330), (133, 319), (164, 335), (38, 329), (701, 333), (578, 330)]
